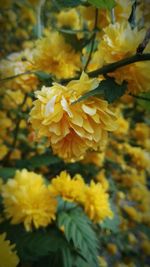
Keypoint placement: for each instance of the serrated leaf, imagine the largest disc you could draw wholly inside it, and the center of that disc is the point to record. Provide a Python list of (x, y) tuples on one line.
[(77, 228), (107, 88), (107, 4), (31, 246), (67, 257), (112, 90), (112, 224)]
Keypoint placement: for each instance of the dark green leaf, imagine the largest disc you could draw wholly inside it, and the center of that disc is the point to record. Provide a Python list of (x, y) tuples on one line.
[(44, 77), (69, 3), (33, 245), (144, 103), (6, 173), (78, 229), (112, 90), (107, 88), (38, 161), (107, 4)]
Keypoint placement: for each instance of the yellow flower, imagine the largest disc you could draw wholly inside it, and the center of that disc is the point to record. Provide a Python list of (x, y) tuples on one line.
[(69, 189), (101, 178), (69, 18), (3, 151), (8, 257), (112, 248), (119, 41), (133, 213), (96, 203), (71, 129), (14, 65), (53, 55), (27, 200)]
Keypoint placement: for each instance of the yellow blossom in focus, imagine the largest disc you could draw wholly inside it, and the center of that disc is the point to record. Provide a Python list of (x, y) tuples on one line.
[(27, 200), (71, 129), (69, 189), (8, 257), (96, 203), (53, 55)]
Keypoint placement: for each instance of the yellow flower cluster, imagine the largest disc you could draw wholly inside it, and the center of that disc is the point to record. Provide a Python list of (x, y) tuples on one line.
[(8, 257), (53, 55), (120, 41), (71, 129), (93, 198), (27, 200)]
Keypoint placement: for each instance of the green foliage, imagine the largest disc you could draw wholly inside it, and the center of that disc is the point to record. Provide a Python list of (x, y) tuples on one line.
[(107, 4), (38, 161), (112, 224), (77, 228), (144, 103), (44, 77), (6, 173), (69, 3), (107, 88), (31, 246)]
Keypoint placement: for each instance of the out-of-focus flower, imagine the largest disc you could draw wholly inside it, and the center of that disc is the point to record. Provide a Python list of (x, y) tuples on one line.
[(96, 203), (71, 129), (53, 55), (27, 200), (8, 257)]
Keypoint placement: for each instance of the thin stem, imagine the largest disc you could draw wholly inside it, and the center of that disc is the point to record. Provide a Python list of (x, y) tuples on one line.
[(113, 66), (119, 64), (112, 14), (145, 42), (16, 76), (39, 23), (140, 97), (93, 40)]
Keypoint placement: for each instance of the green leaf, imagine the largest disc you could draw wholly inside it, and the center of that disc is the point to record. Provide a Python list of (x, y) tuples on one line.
[(78, 229), (144, 103), (107, 4), (112, 90), (107, 88), (38, 161), (44, 77), (31, 246), (6, 173), (69, 3), (112, 224)]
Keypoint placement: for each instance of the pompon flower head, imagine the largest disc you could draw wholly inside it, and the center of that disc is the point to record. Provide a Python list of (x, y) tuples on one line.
[(8, 257), (53, 55), (96, 202), (14, 65), (69, 189), (27, 200), (71, 129)]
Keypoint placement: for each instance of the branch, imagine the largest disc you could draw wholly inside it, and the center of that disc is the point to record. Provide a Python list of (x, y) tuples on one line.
[(16, 76), (140, 97), (145, 42), (113, 66), (93, 40), (121, 63)]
